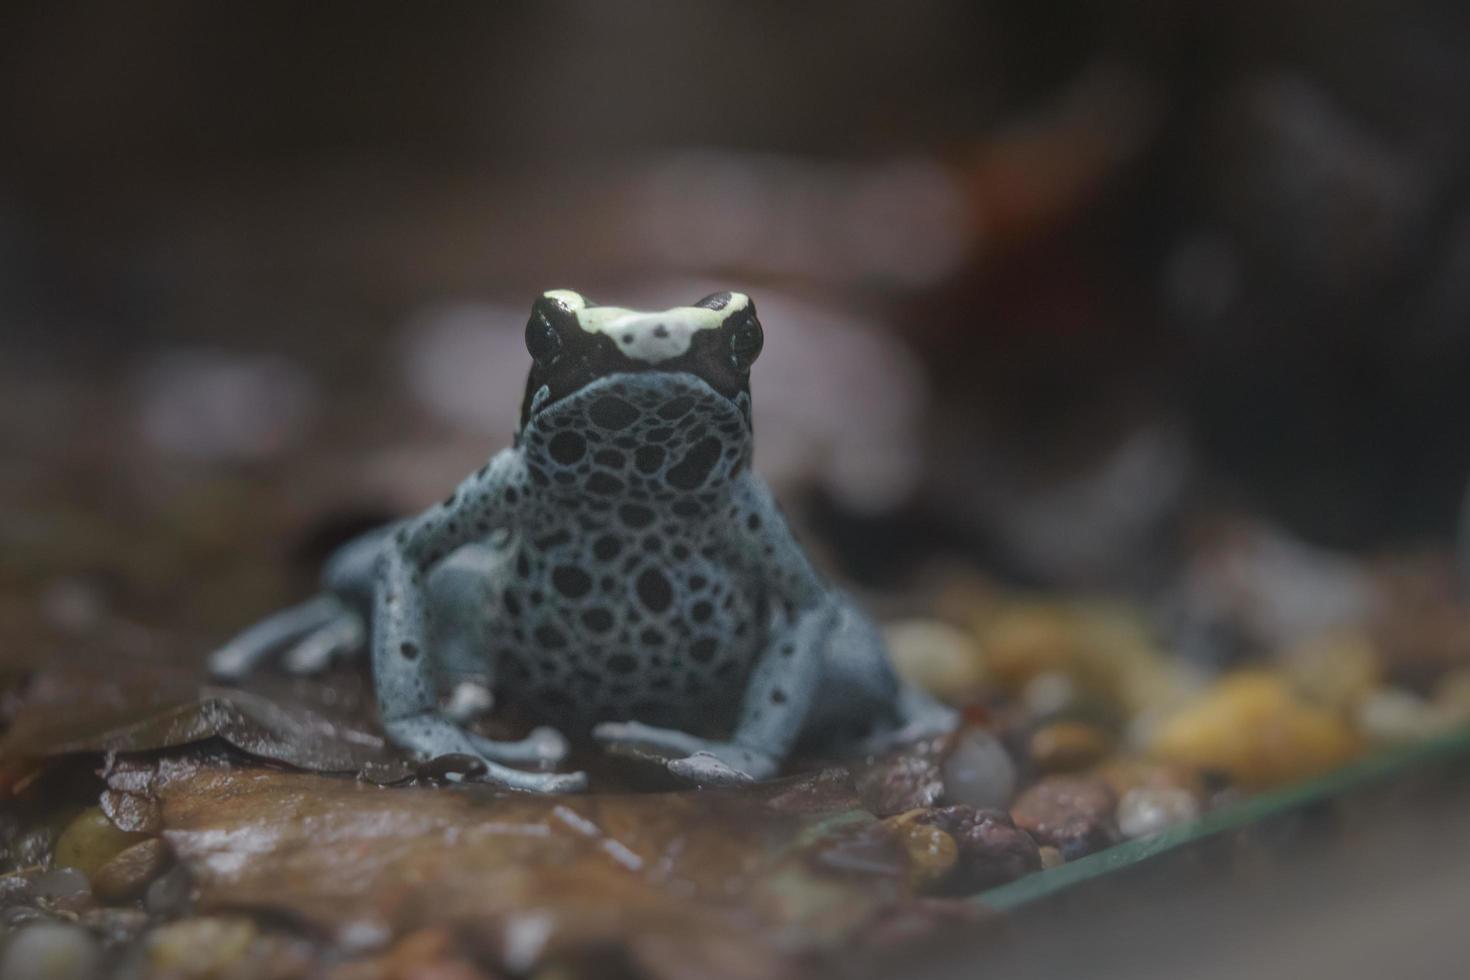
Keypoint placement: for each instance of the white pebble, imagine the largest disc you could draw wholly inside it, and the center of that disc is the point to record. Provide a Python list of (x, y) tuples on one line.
[(50, 951), (1144, 811), (979, 772)]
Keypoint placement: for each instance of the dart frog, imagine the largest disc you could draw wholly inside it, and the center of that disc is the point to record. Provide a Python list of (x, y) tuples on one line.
[(619, 573)]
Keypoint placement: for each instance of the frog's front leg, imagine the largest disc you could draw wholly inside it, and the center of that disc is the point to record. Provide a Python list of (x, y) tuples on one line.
[(782, 686), (403, 670)]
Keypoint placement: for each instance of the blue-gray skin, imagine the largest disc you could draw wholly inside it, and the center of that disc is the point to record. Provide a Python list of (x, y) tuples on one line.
[(619, 572)]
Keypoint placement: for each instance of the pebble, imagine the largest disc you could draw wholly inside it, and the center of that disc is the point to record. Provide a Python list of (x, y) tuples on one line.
[(60, 884), (992, 850), (1068, 746), (51, 951), (169, 893), (90, 841), (1392, 715), (205, 947), (1051, 858), (1074, 814), (932, 853), (1452, 697), (128, 874), (978, 771), (939, 658), (115, 927), (1146, 810), (1336, 669), (1252, 727)]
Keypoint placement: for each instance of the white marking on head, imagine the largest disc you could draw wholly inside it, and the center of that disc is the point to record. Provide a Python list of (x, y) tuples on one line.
[(650, 337)]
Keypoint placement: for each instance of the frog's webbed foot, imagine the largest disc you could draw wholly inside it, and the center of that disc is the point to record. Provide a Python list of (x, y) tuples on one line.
[(314, 633), (698, 760), (431, 735)]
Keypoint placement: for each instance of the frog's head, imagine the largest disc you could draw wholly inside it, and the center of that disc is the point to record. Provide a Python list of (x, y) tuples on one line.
[(665, 389)]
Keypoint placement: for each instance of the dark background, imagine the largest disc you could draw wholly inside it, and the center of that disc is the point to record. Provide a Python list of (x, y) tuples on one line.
[(1140, 259)]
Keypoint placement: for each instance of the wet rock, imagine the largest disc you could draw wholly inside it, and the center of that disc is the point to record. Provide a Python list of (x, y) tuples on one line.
[(1074, 814), (978, 771), (1144, 811), (1068, 746), (1051, 858), (938, 658), (903, 781), (51, 951), (1253, 728), (1123, 773), (14, 888), (32, 849), (90, 841), (992, 849), (128, 874)]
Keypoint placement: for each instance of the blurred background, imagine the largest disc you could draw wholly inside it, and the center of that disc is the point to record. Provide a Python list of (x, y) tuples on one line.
[(1071, 292), (1159, 304)]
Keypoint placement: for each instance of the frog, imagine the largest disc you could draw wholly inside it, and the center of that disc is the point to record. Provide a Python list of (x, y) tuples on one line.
[(619, 573)]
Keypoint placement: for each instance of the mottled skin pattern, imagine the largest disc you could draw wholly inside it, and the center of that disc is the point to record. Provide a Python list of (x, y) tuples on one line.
[(620, 572)]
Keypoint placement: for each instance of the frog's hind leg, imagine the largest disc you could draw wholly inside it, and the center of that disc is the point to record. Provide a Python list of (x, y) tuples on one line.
[(865, 705), (298, 624), (316, 631), (464, 603)]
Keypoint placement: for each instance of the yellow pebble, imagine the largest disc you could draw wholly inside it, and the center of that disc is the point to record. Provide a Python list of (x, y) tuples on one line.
[(932, 852), (1251, 726), (939, 658), (90, 841), (1068, 746)]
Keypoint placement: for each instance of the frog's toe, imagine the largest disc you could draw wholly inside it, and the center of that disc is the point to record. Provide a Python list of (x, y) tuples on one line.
[(544, 747), (535, 782), (647, 738), (707, 769), (314, 653)]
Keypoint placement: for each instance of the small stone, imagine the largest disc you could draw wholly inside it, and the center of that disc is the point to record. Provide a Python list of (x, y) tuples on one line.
[(1146, 811), (206, 947), (937, 657), (1336, 669), (51, 951), (128, 874), (169, 893), (992, 850), (60, 884), (978, 771), (1123, 773), (1452, 697), (90, 841), (1068, 746), (1393, 716), (1049, 694), (19, 915), (1051, 858), (115, 927), (932, 853), (1252, 727), (1071, 813)]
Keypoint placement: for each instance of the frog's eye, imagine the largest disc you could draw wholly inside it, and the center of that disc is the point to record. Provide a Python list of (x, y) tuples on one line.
[(746, 340), (542, 340)]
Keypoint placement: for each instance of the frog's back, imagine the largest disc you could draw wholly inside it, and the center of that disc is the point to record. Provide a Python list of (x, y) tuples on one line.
[(622, 601)]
